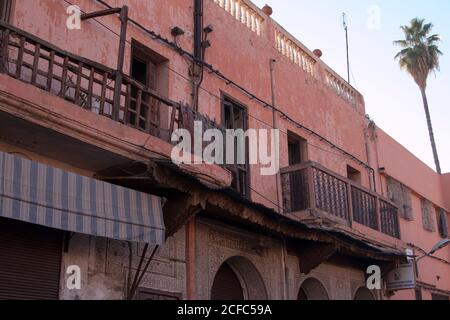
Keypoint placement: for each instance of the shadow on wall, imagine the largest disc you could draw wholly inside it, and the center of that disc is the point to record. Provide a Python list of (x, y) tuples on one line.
[(238, 279), (312, 289), (364, 294)]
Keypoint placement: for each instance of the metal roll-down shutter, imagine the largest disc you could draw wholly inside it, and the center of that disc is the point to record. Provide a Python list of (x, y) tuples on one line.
[(30, 261)]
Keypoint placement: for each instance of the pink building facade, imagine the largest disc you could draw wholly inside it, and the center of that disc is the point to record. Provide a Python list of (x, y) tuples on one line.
[(347, 197)]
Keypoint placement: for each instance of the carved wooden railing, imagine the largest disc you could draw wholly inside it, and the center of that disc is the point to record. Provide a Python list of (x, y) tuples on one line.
[(310, 186), (91, 85)]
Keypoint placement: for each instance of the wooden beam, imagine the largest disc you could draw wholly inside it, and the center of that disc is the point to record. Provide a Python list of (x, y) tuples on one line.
[(100, 13), (180, 209), (314, 254)]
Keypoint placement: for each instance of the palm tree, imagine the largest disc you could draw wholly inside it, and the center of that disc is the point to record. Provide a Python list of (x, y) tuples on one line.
[(420, 57)]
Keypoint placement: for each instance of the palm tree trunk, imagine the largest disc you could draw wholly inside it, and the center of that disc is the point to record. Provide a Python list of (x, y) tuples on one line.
[(430, 131)]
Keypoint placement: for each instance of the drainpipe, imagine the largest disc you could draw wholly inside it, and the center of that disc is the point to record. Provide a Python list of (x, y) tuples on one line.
[(377, 155), (275, 126), (120, 62), (197, 66), (198, 29), (372, 182)]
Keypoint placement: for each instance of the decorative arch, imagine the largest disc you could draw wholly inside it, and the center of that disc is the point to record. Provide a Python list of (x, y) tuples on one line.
[(238, 279), (364, 294), (312, 289)]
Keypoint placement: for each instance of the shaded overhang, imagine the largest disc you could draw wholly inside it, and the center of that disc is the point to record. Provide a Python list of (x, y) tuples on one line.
[(189, 196), (40, 194)]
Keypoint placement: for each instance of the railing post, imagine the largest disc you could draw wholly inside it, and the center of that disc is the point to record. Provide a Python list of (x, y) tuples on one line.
[(4, 51), (311, 188), (378, 213), (350, 203), (120, 63)]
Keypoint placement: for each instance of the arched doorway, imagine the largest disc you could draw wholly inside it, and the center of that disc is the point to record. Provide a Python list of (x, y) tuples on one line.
[(364, 294), (238, 279), (312, 289), (227, 285)]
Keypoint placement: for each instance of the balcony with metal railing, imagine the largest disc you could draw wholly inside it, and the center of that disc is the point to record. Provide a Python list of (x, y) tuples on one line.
[(310, 187)]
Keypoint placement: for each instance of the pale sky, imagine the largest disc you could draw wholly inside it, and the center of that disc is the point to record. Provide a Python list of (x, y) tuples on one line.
[(392, 98)]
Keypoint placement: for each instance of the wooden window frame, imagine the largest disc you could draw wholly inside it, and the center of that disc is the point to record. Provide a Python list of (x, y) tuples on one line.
[(154, 81), (144, 54), (405, 203), (442, 223), (428, 215), (302, 144), (237, 169), (5, 10)]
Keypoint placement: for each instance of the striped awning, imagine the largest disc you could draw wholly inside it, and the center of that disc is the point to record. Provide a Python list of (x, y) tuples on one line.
[(39, 194)]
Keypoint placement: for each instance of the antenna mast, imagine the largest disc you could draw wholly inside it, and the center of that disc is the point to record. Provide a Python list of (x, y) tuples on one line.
[(344, 22)]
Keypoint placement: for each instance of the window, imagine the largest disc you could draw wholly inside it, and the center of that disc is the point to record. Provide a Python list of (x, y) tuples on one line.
[(401, 196), (235, 117), (442, 220), (147, 68), (5, 10), (427, 216), (298, 185), (296, 149), (149, 294), (354, 175)]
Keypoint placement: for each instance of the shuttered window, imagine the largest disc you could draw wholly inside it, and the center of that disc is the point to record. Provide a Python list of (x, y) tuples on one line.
[(30, 261), (234, 118), (401, 196), (442, 223), (428, 213)]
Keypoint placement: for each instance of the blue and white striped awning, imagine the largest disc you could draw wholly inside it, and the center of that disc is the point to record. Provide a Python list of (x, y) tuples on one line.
[(43, 195)]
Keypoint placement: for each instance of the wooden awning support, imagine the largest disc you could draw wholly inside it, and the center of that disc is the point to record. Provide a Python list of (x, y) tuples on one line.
[(314, 254)]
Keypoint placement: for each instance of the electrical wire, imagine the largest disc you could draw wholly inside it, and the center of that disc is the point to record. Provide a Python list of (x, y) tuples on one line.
[(282, 114), (253, 97)]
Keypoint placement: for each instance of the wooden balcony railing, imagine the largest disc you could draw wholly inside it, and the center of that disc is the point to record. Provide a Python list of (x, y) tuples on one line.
[(91, 85), (310, 186)]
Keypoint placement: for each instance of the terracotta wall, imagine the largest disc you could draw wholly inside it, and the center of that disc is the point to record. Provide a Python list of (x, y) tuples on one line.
[(240, 54), (244, 57), (445, 179), (403, 166), (425, 183)]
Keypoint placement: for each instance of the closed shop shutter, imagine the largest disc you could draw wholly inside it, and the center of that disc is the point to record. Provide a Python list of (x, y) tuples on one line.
[(30, 261)]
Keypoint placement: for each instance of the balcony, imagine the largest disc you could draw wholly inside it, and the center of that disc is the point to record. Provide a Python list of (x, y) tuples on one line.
[(310, 187), (92, 86)]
